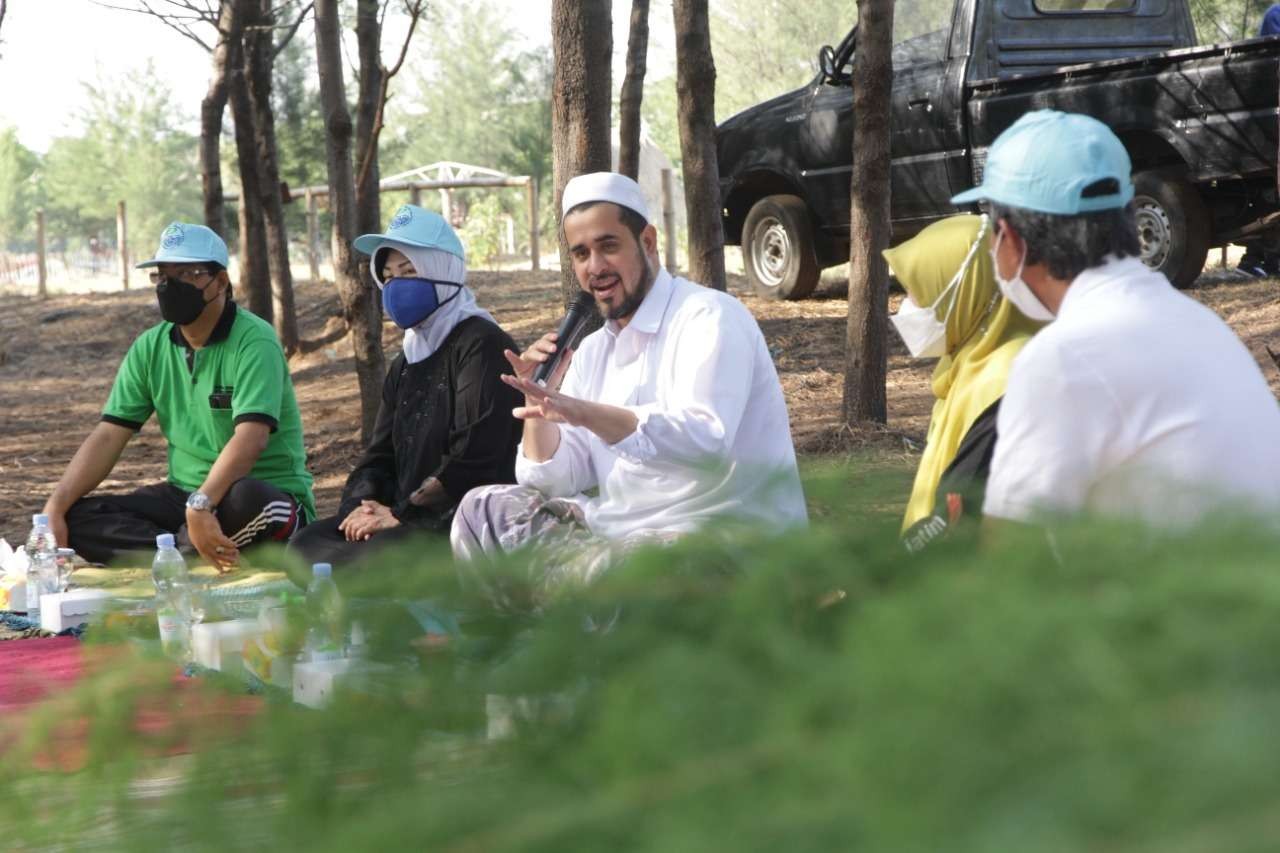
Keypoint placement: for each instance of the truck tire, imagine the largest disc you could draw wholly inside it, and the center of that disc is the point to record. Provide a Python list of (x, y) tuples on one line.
[(1173, 225), (778, 250)]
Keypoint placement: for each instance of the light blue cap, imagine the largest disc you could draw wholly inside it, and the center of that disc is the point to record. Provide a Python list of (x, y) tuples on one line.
[(164, 540), (1045, 160), (321, 570), (185, 243), (414, 226)]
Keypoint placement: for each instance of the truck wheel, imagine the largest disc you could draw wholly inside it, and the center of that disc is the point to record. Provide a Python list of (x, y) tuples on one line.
[(777, 248), (1173, 225)]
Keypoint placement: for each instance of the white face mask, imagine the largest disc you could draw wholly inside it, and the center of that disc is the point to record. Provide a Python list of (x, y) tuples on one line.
[(921, 330), (1018, 291)]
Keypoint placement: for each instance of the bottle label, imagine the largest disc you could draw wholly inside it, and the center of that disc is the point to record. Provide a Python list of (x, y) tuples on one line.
[(173, 631)]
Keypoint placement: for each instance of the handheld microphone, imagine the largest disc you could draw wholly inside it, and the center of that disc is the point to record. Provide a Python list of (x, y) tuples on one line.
[(577, 320)]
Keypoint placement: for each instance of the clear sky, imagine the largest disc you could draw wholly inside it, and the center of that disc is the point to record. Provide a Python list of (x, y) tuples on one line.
[(49, 47)]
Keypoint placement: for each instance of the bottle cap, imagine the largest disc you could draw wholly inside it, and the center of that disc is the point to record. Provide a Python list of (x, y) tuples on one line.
[(322, 570), (40, 520), (164, 540)]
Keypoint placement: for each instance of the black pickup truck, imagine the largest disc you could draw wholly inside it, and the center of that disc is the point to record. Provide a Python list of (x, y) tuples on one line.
[(1200, 124)]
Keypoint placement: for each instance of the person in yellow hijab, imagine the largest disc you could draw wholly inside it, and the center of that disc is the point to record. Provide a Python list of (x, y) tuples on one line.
[(954, 311)]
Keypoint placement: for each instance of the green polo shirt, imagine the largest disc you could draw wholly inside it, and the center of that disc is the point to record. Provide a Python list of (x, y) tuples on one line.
[(198, 397)]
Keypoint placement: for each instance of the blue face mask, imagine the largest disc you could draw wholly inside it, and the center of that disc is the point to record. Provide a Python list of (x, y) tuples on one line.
[(409, 301)]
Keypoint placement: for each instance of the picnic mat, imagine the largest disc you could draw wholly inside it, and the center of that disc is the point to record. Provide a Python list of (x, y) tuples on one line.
[(30, 671), (15, 626), (171, 714), (237, 595), (136, 583)]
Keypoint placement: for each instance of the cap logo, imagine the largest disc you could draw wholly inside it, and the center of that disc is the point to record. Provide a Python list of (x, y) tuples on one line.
[(172, 236), (402, 218)]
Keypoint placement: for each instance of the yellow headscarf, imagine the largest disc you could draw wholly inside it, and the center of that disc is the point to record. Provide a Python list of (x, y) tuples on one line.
[(984, 333)]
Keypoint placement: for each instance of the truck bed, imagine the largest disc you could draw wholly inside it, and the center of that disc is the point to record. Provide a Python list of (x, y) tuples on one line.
[(1214, 106)]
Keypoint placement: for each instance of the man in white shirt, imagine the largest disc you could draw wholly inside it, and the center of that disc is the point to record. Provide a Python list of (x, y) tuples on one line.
[(1135, 400), (672, 411)]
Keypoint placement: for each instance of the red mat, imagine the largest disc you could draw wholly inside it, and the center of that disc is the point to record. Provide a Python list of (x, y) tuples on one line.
[(31, 669), (172, 714)]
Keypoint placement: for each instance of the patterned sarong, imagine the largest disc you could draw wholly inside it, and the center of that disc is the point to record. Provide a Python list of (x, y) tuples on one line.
[(559, 551)]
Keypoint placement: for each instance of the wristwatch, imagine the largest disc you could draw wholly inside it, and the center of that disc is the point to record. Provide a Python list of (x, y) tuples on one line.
[(200, 502)]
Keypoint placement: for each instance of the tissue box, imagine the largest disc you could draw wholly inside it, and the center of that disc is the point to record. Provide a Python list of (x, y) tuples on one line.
[(62, 610), (13, 593), (220, 645), (315, 682)]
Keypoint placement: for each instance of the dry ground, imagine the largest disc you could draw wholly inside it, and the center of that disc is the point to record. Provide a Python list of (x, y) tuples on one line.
[(58, 357)]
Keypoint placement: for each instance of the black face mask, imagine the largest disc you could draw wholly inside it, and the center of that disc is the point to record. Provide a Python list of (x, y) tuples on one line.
[(180, 301)]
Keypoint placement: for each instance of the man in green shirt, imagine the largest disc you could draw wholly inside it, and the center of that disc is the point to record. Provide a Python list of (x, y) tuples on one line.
[(217, 381)]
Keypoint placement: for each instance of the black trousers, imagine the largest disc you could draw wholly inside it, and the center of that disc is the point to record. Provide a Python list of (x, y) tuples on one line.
[(322, 542), (102, 528)]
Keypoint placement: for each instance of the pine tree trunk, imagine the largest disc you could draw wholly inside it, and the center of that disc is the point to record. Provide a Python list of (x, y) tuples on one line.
[(357, 296), (633, 91), (255, 274), (696, 91), (369, 41), (866, 361), (581, 92), (212, 109), (259, 62)]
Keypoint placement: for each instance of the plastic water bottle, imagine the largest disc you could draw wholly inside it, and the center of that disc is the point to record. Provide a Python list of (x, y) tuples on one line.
[(42, 564), (325, 619), (173, 598)]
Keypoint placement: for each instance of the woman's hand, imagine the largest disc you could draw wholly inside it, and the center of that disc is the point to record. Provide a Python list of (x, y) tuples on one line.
[(367, 519)]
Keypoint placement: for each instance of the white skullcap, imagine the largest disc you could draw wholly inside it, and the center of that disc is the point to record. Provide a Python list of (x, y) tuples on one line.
[(604, 186)]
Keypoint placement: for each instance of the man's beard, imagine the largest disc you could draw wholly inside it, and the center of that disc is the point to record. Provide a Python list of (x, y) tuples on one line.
[(631, 301)]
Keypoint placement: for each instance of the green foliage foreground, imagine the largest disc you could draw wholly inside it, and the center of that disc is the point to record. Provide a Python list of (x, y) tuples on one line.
[(1117, 691)]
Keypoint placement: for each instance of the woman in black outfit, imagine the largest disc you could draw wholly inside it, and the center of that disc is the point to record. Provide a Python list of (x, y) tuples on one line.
[(445, 424)]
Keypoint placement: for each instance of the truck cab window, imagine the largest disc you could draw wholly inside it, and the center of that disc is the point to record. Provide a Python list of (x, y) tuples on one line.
[(921, 30), (1066, 7)]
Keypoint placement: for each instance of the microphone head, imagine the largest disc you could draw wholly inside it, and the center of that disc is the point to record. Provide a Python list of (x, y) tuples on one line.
[(583, 303)]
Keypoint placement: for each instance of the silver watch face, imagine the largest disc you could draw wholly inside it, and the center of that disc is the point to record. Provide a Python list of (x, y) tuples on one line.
[(199, 501)]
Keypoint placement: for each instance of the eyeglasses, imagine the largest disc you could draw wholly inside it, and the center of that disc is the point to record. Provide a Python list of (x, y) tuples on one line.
[(190, 275)]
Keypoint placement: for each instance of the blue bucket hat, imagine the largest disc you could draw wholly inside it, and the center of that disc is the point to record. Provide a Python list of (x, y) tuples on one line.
[(185, 243), (1045, 160), (414, 226)]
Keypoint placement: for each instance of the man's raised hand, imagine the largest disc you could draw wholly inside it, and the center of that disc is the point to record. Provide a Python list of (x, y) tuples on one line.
[(544, 403)]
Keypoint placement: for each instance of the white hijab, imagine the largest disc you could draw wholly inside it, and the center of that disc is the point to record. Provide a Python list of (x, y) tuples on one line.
[(456, 303)]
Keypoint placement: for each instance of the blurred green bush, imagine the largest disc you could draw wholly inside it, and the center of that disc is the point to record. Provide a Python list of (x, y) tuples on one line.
[(1109, 690)]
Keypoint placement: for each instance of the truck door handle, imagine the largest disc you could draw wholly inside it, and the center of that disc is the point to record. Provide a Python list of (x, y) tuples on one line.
[(919, 101)]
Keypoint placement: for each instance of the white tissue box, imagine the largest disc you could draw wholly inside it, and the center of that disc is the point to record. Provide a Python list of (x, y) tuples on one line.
[(62, 610), (315, 682), (220, 645)]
